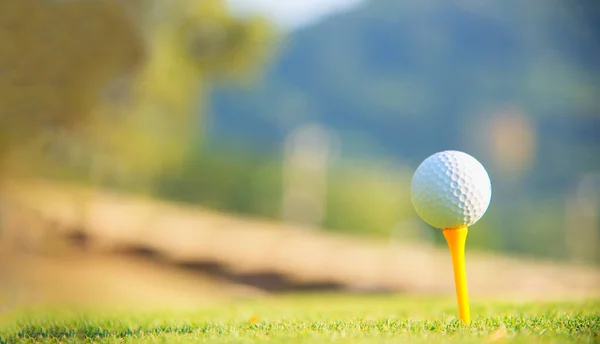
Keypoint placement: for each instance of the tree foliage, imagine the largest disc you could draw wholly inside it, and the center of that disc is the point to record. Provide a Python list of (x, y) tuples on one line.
[(115, 88), (55, 59)]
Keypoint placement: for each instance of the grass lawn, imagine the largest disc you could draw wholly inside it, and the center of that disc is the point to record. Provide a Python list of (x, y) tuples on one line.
[(317, 319)]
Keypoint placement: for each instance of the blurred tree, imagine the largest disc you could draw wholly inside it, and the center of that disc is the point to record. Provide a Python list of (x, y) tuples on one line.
[(77, 87), (55, 59)]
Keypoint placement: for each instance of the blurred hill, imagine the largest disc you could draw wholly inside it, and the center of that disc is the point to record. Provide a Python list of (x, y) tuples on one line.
[(513, 83), (416, 77)]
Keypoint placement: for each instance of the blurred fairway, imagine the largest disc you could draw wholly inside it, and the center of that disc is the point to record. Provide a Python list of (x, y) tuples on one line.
[(320, 318)]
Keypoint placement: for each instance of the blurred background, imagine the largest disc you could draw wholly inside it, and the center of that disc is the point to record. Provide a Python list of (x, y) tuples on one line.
[(297, 116)]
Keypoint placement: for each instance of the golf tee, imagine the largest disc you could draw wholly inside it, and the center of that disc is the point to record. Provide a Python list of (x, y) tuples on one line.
[(456, 238)]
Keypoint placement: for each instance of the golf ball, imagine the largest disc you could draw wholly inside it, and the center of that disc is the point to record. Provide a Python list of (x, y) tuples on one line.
[(451, 189)]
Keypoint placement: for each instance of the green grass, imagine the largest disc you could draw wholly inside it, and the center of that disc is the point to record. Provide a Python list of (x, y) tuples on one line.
[(317, 319)]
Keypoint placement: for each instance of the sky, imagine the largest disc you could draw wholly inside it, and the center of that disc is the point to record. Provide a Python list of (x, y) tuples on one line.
[(292, 14)]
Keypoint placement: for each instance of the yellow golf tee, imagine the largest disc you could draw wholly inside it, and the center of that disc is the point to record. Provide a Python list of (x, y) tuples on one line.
[(456, 239)]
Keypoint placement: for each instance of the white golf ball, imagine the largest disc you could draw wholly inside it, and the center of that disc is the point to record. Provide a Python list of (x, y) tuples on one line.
[(451, 189)]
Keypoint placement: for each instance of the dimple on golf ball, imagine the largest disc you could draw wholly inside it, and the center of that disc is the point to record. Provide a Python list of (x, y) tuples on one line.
[(451, 189)]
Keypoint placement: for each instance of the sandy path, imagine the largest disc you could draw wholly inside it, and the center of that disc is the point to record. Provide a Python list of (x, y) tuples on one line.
[(244, 246)]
